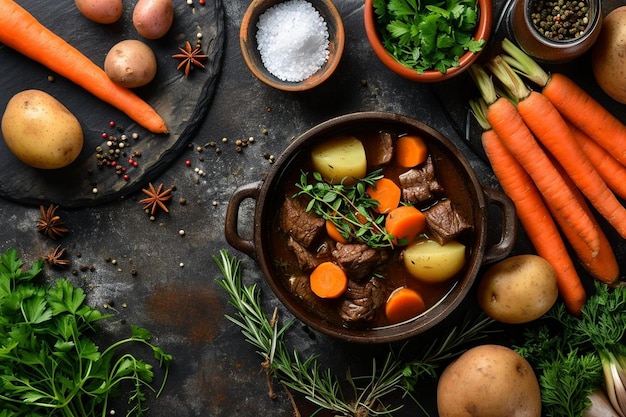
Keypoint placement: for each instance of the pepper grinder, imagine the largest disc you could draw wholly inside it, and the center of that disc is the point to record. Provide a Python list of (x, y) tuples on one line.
[(548, 47)]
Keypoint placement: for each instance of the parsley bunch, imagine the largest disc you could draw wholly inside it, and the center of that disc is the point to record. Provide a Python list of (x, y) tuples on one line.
[(49, 365), (428, 34), (574, 356)]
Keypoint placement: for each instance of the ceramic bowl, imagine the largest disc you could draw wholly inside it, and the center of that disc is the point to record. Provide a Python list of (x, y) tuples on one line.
[(548, 50), (454, 172), (252, 56), (483, 31)]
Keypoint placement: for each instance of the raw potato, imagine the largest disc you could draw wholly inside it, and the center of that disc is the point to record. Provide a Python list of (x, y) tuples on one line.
[(339, 158), (429, 261), (130, 63), (101, 11), (609, 55), (153, 18), (40, 131), (518, 289), (489, 381)]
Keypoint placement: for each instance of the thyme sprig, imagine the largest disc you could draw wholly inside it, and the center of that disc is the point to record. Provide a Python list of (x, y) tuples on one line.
[(348, 206), (322, 387)]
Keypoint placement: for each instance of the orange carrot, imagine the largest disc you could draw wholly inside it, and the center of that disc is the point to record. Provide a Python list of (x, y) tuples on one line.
[(21, 31), (522, 144), (553, 132), (410, 151), (601, 266), (506, 121), (387, 193), (404, 304), (404, 223), (574, 103), (609, 168), (535, 219), (333, 232), (328, 280), (587, 114)]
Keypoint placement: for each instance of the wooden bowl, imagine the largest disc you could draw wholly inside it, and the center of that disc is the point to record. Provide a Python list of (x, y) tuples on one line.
[(483, 31), (252, 56)]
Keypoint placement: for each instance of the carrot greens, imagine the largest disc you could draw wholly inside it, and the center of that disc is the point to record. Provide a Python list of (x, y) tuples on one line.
[(429, 34), (575, 356), (49, 364)]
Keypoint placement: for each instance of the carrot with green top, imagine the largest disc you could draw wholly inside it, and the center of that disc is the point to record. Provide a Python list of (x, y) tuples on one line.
[(574, 103), (20, 30), (533, 213), (506, 121), (549, 127)]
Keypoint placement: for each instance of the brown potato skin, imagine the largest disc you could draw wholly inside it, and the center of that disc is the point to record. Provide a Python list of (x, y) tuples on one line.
[(153, 18), (40, 131), (518, 289), (130, 63), (489, 381), (608, 57), (101, 11)]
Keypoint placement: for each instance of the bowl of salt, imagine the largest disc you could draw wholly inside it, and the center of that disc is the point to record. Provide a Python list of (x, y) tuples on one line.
[(292, 45)]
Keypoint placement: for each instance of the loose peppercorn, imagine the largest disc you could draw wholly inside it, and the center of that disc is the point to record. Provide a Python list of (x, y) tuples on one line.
[(560, 20)]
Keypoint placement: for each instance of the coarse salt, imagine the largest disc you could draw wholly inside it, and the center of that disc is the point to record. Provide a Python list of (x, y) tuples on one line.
[(292, 38)]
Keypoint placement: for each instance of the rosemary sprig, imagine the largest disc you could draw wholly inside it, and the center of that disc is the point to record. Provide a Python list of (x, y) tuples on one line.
[(349, 207), (321, 387)]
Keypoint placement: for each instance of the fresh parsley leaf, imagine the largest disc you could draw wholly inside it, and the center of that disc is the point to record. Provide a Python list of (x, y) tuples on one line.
[(49, 364), (428, 34)]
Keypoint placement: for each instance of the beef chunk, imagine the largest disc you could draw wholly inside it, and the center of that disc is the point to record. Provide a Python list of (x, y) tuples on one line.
[(308, 259), (305, 227), (300, 287), (444, 222), (419, 185), (380, 152), (361, 301), (358, 259)]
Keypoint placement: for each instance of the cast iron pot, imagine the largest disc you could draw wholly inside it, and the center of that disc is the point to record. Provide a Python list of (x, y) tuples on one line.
[(453, 171)]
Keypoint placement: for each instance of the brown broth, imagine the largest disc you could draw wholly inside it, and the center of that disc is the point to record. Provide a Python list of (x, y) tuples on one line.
[(393, 271)]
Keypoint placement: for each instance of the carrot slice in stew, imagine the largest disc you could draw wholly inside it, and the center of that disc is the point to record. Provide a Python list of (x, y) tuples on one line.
[(404, 304), (328, 280), (410, 151), (387, 193)]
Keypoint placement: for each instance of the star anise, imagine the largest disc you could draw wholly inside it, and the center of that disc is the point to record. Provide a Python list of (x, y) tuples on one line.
[(156, 198), (56, 257), (190, 57), (50, 223)]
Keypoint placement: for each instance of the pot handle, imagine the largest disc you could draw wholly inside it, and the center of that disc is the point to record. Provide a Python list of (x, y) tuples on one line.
[(231, 232), (504, 246)]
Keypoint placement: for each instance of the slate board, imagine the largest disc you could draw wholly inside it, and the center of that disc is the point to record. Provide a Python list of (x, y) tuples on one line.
[(182, 102)]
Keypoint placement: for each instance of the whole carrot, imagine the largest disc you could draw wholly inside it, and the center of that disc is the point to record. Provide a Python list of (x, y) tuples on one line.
[(574, 103), (506, 121), (549, 127), (609, 168), (533, 215), (21, 31)]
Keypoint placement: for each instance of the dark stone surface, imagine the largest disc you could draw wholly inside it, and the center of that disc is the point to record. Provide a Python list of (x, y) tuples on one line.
[(174, 293)]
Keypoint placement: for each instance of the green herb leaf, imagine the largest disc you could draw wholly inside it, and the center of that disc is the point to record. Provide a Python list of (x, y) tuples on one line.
[(429, 34)]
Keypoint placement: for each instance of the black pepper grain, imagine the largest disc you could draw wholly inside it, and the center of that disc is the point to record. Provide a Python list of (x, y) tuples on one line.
[(560, 20)]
